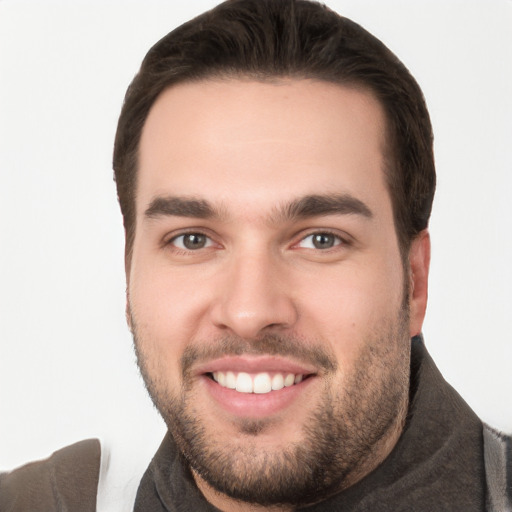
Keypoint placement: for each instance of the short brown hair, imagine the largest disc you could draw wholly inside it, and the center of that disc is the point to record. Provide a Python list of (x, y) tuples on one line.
[(264, 39)]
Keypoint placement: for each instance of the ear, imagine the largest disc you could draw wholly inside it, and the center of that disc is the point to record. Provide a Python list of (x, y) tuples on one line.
[(127, 269), (419, 262), (127, 311)]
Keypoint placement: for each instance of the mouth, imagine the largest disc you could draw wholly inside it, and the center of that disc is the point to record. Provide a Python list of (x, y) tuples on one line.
[(259, 383), (256, 387)]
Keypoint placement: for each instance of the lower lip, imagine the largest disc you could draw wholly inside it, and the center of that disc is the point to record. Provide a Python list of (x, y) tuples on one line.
[(255, 405)]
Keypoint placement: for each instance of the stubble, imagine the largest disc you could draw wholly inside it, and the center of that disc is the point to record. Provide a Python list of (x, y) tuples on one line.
[(343, 438)]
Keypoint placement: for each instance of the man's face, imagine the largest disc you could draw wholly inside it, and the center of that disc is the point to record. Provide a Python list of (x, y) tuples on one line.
[(266, 260)]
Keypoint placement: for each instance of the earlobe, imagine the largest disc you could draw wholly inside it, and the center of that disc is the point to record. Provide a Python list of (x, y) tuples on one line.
[(419, 262)]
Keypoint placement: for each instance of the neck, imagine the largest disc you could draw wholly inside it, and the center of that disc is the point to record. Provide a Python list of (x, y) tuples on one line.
[(227, 504)]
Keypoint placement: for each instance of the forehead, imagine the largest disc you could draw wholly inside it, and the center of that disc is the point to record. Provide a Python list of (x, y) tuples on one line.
[(242, 142)]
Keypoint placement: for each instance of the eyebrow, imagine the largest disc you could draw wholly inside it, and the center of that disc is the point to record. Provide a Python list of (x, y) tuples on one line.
[(180, 207), (319, 205), (301, 208)]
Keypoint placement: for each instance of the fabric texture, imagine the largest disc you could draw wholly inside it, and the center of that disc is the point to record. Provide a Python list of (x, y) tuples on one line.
[(437, 464), (498, 470), (65, 482)]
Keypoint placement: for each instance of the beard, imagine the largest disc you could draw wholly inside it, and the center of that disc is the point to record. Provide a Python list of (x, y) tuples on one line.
[(342, 436)]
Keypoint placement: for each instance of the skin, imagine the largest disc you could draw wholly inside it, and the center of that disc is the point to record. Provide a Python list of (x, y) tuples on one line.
[(248, 149)]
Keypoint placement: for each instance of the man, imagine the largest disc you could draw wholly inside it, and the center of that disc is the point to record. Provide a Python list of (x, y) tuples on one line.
[(275, 173)]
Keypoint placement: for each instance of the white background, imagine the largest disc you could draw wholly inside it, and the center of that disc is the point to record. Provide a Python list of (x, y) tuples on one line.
[(67, 370)]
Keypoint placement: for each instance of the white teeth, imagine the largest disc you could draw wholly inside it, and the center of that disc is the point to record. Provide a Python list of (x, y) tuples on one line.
[(260, 383), (244, 383), (277, 382), (289, 380), (230, 380)]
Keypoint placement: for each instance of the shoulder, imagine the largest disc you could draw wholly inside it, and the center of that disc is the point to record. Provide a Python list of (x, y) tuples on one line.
[(498, 469), (67, 480)]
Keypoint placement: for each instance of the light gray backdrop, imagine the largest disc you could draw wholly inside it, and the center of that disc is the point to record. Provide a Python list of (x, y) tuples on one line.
[(67, 370)]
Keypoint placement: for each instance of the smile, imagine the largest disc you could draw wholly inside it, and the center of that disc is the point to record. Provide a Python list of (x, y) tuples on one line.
[(257, 387), (259, 383)]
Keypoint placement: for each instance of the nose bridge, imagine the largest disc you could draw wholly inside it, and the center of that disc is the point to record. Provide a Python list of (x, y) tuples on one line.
[(253, 296)]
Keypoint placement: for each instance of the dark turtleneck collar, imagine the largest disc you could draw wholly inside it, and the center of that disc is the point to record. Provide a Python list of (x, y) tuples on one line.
[(437, 464)]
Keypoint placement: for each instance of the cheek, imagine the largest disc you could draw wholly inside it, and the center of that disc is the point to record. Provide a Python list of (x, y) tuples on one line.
[(356, 293), (352, 303), (163, 295), (162, 308)]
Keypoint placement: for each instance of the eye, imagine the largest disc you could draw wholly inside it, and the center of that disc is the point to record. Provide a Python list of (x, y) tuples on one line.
[(320, 240), (191, 241)]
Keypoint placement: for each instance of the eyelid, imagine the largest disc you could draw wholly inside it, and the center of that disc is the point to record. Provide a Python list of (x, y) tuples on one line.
[(181, 247), (344, 239), (168, 240)]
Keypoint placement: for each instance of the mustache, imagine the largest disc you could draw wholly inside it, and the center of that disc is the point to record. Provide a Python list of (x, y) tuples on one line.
[(266, 345)]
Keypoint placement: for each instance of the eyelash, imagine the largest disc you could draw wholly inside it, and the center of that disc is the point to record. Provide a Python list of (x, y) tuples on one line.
[(339, 241), (172, 241)]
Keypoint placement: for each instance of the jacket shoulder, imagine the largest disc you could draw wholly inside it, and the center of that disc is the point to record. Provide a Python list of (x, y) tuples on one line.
[(498, 469), (65, 482)]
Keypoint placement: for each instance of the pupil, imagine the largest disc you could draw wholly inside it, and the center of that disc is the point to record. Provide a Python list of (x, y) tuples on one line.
[(194, 241), (323, 241)]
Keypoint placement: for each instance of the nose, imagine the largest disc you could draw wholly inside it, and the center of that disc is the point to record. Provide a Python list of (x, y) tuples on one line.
[(253, 297)]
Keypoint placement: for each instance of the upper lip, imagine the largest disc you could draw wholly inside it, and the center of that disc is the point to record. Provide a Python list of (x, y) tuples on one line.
[(254, 364)]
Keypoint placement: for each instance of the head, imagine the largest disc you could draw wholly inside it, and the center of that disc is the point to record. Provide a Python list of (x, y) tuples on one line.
[(270, 39), (275, 173)]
